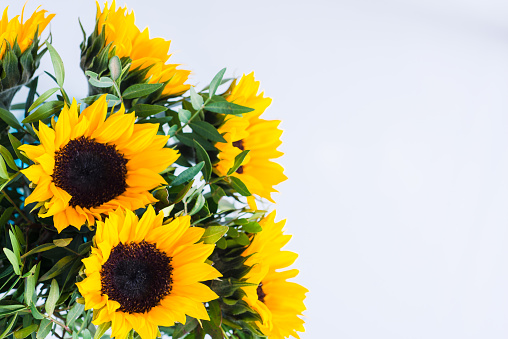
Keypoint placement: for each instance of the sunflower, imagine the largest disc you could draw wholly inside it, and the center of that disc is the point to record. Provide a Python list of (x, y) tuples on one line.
[(250, 132), (143, 274), (15, 30), (278, 301), (146, 53), (89, 165)]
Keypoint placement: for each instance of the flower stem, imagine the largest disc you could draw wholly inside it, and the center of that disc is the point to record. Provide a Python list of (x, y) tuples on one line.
[(16, 207), (62, 325)]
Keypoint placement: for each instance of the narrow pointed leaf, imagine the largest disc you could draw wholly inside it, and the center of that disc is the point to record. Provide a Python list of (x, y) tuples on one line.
[(15, 144), (10, 119), (239, 186), (216, 82), (44, 96), (57, 64), (8, 158), (207, 131), (226, 107), (58, 268), (238, 161), (54, 294), (213, 234), (140, 90), (196, 99), (188, 174), (203, 157)]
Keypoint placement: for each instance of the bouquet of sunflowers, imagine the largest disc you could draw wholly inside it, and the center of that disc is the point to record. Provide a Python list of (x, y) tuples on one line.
[(133, 211)]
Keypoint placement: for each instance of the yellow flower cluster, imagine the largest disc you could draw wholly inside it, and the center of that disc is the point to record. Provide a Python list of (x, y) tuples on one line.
[(16, 31), (100, 168), (146, 53)]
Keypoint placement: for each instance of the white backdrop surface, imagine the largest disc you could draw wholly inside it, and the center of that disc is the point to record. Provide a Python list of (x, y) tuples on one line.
[(395, 120)]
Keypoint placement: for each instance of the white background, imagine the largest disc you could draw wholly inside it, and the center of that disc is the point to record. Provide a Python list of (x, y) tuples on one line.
[(396, 142)]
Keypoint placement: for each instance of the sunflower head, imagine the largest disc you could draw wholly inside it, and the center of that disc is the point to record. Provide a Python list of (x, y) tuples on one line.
[(19, 50), (89, 165), (249, 132), (143, 274), (278, 301), (116, 34)]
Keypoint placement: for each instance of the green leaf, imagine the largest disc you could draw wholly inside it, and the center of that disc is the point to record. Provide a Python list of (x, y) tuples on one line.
[(6, 215), (200, 202), (9, 326), (31, 94), (162, 121), (13, 260), (140, 90), (252, 227), (8, 158), (25, 332), (239, 186), (44, 328), (112, 100), (188, 174), (16, 247), (57, 64), (30, 284), (101, 330), (182, 330), (216, 82), (213, 234), (3, 170), (58, 268), (238, 162), (221, 243), (54, 294), (196, 99), (10, 119), (35, 312), (11, 178), (226, 107), (43, 97), (15, 144), (217, 193), (44, 111), (243, 239), (207, 131), (41, 248), (184, 115), (144, 110), (62, 242), (215, 312), (183, 192), (74, 313), (115, 67), (10, 308), (103, 82), (203, 157)]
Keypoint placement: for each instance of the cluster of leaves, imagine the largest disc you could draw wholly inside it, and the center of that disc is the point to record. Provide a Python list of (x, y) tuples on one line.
[(39, 267)]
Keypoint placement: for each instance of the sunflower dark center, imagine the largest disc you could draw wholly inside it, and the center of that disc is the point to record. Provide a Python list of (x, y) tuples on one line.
[(261, 293), (91, 172), (137, 275), (239, 144)]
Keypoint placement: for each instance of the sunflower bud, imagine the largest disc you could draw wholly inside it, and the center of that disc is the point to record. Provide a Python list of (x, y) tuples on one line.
[(143, 60), (19, 51)]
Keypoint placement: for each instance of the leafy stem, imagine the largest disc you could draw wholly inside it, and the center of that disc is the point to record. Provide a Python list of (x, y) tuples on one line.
[(62, 325), (192, 117)]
